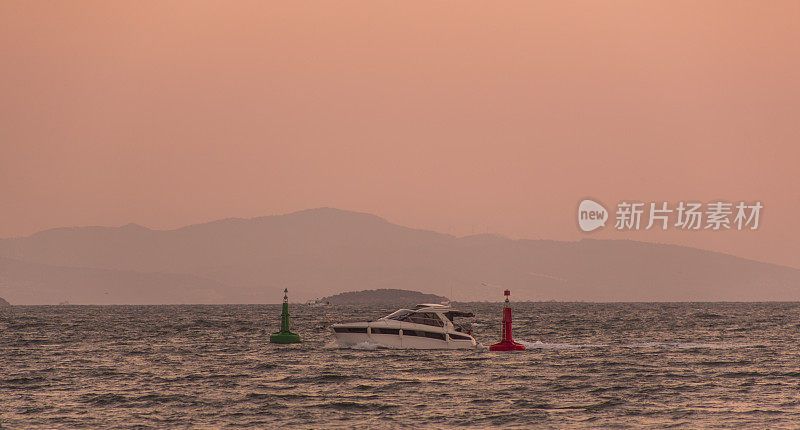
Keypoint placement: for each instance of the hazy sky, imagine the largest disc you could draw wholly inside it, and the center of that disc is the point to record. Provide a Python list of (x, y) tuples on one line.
[(451, 116)]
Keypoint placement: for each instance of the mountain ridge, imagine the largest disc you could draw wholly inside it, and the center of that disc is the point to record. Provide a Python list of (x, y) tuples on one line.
[(324, 251), (325, 208)]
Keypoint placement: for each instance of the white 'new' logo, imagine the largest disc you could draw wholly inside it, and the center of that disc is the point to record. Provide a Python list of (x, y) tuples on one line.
[(591, 215)]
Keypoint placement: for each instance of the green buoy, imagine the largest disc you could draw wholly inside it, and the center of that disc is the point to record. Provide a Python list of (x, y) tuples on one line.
[(285, 336)]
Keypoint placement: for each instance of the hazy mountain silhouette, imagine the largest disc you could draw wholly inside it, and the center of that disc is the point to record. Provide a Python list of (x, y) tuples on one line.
[(326, 251)]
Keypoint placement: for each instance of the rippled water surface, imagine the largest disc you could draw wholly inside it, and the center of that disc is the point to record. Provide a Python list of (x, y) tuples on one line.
[(587, 365)]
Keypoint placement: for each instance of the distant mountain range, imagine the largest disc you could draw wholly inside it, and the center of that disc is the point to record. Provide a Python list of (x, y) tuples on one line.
[(326, 251)]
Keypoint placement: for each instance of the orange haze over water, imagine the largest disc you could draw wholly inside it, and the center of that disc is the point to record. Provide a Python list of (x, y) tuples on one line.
[(458, 117)]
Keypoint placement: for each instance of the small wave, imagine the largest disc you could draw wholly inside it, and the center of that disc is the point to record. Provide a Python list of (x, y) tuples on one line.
[(26, 325), (263, 366), (104, 399), (479, 358), (724, 363), (400, 385), (527, 404), (345, 405), (742, 374), (711, 345), (708, 315), (325, 378), (22, 382), (160, 399), (610, 403), (541, 345), (273, 396), (685, 345)]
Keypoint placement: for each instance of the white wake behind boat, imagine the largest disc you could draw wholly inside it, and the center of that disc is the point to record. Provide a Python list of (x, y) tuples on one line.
[(426, 326)]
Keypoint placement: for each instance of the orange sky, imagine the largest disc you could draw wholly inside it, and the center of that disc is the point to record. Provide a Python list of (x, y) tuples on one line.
[(451, 116)]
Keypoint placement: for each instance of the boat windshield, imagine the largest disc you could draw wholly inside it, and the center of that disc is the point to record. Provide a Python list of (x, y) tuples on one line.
[(399, 315), (426, 318)]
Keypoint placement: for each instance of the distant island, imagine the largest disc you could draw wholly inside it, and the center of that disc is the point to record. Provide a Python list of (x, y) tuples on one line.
[(4, 303), (381, 296)]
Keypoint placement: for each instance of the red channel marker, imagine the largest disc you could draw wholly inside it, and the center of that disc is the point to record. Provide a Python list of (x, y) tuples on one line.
[(507, 342)]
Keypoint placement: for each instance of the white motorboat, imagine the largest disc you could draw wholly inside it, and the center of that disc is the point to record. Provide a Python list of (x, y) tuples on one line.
[(426, 326)]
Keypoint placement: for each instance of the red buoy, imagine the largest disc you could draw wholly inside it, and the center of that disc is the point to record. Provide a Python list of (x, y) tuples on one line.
[(507, 342)]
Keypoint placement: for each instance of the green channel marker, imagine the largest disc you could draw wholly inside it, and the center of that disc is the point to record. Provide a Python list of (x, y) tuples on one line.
[(285, 336)]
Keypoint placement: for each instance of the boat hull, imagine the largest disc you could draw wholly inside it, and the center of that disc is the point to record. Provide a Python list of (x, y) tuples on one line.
[(401, 337)]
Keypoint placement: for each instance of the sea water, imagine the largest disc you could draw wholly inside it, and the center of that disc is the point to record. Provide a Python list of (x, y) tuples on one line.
[(587, 365)]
